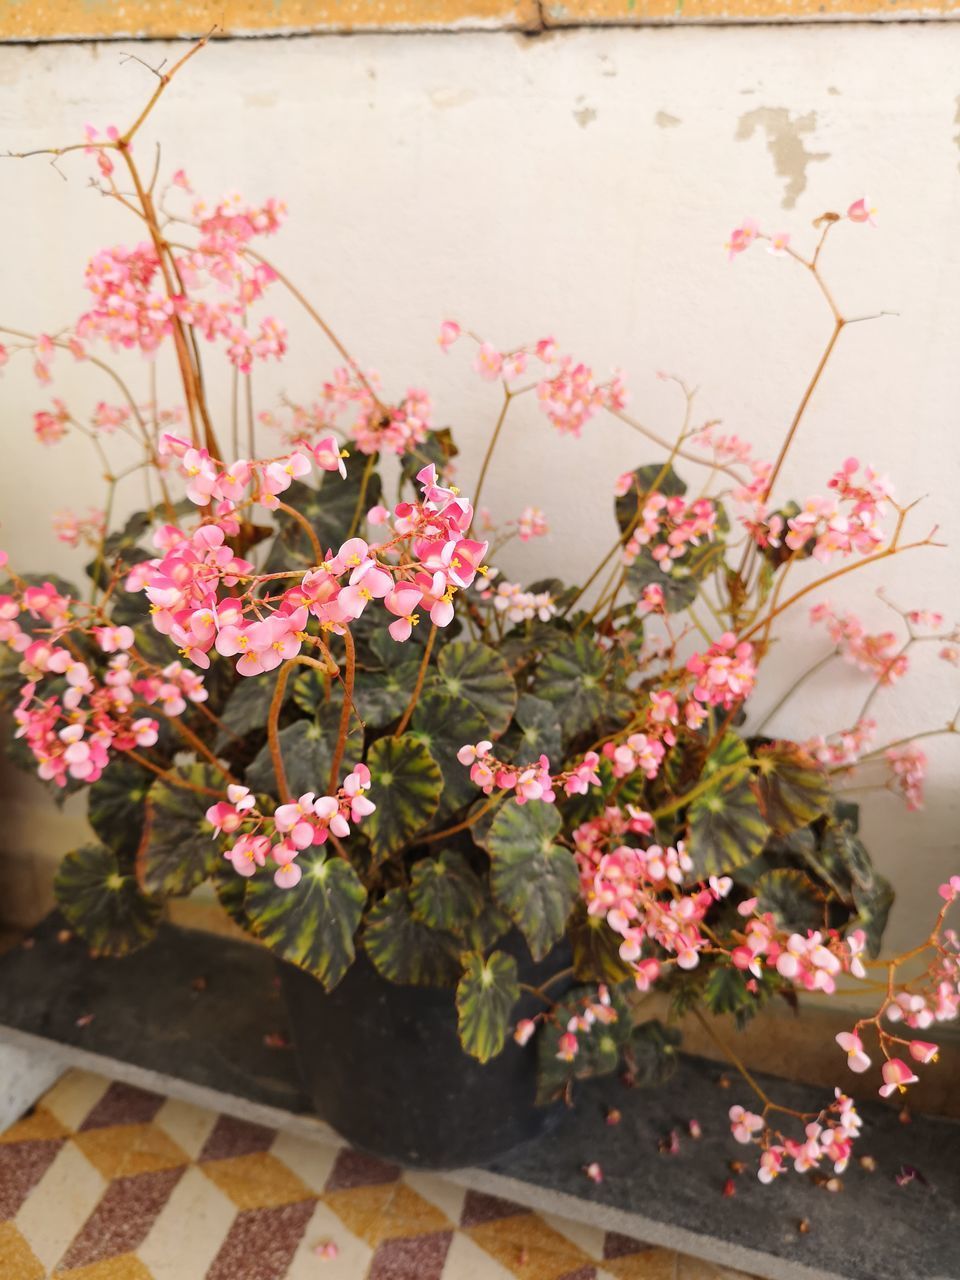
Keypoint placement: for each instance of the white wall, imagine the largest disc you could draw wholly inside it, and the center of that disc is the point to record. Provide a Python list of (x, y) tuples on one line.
[(581, 184)]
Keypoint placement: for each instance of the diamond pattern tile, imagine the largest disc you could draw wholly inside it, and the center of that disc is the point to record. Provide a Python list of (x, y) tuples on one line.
[(103, 1181)]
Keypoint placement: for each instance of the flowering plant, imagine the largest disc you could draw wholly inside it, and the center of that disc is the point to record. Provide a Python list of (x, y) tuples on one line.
[(335, 709)]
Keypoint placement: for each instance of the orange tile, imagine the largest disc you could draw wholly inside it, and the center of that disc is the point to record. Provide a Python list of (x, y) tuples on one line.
[(361, 1209), (19, 1260), (121, 1150), (408, 1214), (40, 1126), (525, 1245), (652, 1264), (123, 1267), (257, 1181)]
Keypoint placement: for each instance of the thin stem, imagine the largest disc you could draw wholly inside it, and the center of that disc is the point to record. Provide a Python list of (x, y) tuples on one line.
[(810, 671), (507, 397), (462, 826), (173, 779), (368, 467), (307, 527), (345, 712), (273, 737), (421, 676)]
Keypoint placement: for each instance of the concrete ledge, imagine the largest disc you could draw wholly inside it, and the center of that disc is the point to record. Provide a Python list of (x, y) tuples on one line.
[(148, 1021)]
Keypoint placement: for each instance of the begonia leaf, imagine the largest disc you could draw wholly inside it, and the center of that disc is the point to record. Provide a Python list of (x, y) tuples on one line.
[(486, 995)]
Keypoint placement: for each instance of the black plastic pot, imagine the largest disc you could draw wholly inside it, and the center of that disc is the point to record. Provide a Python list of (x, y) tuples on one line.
[(384, 1066)]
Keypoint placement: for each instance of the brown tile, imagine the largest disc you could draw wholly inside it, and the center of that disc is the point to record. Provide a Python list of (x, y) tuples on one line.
[(39, 1126), (528, 1247), (618, 1246), (257, 1181), (233, 1137), (653, 1264), (421, 1258), (17, 1258), (123, 1104), (478, 1208), (409, 1214), (582, 1273), (353, 1169), (125, 1267), (122, 1219), (125, 1150), (22, 1165), (261, 1243), (361, 1209)]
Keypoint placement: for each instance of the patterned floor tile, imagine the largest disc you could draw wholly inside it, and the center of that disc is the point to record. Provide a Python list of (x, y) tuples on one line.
[(17, 1258), (104, 1181), (257, 1181)]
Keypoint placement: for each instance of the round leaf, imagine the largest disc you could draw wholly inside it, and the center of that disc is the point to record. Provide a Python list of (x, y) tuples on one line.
[(405, 786), (535, 731), (117, 806), (533, 879), (307, 750), (486, 995), (179, 851), (471, 670), (571, 677), (311, 925), (444, 892), (102, 904), (793, 789), (792, 897), (382, 696), (445, 721), (406, 951), (726, 828), (246, 709), (654, 475)]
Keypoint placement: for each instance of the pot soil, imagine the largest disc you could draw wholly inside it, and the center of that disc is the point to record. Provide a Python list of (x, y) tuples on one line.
[(384, 1067)]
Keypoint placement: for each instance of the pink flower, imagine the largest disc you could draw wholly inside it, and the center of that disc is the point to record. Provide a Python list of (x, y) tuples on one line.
[(742, 237), (924, 1051), (449, 333), (778, 243), (593, 1172), (488, 362), (860, 211), (744, 1124), (328, 455), (852, 1046), (896, 1076), (567, 1047), (524, 1030)]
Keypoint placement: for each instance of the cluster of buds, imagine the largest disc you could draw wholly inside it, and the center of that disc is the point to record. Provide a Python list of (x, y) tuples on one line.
[(592, 1013), (667, 527), (725, 674), (828, 1139), (516, 605), (527, 782)]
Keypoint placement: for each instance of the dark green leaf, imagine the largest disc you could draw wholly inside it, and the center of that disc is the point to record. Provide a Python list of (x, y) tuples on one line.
[(679, 590), (596, 950), (486, 995), (571, 677), (382, 696), (247, 708), (471, 670), (405, 786), (307, 750), (311, 925), (489, 926), (444, 722), (651, 1054), (599, 1048), (793, 789), (330, 508), (406, 951), (726, 828), (117, 806), (444, 892), (534, 879), (180, 851), (792, 897), (873, 903), (102, 904), (646, 479), (534, 732)]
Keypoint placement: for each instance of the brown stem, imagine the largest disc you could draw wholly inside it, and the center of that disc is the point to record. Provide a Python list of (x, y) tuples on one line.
[(417, 688), (273, 740), (173, 779), (461, 826), (507, 397), (345, 712), (307, 527)]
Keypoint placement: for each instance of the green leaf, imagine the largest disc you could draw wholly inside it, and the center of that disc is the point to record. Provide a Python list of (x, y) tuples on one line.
[(247, 708), (651, 1054), (726, 828), (645, 478), (330, 509), (117, 806), (487, 928), (444, 722), (596, 950), (405, 786), (533, 879), (599, 1048), (535, 731), (104, 905), (383, 696), (793, 789), (679, 590), (873, 903), (231, 891), (471, 670), (405, 950), (307, 750), (180, 851), (486, 995), (444, 892), (792, 897), (311, 925), (571, 677)]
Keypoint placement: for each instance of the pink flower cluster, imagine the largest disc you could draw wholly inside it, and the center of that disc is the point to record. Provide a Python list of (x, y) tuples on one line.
[(593, 1013), (73, 529), (829, 1139), (845, 748), (668, 526), (810, 961), (293, 827), (210, 480), (877, 654), (527, 782), (743, 236), (908, 767), (725, 674), (183, 585), (516, 605), (569, 395), (845, 524)]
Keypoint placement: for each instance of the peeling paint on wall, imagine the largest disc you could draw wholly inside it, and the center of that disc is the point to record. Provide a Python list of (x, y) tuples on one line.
[(664, 120), (584, 115), (785, 143)]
